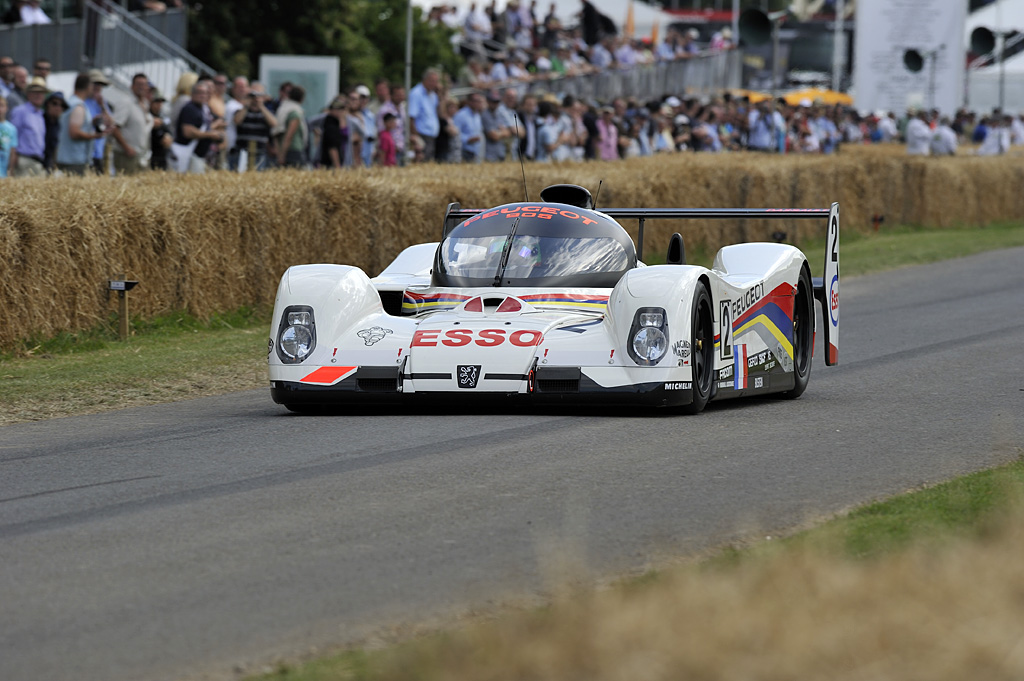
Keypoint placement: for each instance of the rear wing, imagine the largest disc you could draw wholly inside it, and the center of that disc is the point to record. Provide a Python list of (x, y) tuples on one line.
[(826, 290)]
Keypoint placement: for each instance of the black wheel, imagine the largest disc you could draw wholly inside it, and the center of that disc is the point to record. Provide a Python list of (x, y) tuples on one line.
[(803, 335), (702, 344)]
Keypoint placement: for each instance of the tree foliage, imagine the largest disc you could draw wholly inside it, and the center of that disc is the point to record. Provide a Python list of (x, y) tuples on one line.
[(367, 35)]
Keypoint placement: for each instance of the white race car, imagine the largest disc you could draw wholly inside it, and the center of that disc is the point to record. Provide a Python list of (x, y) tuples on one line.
[(549, 301)]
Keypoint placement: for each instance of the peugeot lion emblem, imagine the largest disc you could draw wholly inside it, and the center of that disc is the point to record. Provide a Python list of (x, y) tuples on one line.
[(469, 374)]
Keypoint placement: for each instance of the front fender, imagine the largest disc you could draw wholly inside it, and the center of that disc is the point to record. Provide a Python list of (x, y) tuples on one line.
[(666, 286), (341, 296)]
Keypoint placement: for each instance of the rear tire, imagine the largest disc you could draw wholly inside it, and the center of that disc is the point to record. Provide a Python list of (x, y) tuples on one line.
[(803, 335), (702, 344)]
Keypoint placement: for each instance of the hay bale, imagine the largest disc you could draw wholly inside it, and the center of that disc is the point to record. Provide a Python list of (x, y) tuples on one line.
[(213, 243)]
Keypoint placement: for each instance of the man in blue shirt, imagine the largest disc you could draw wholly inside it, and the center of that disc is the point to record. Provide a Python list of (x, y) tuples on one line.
[(423, 101), (471, 128), (30, 123)]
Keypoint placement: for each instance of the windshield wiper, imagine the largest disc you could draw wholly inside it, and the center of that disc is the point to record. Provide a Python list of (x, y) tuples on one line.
[(505, 253)]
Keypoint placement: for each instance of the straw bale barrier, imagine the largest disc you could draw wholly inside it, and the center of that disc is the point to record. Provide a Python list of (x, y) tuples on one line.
[(216, 242)]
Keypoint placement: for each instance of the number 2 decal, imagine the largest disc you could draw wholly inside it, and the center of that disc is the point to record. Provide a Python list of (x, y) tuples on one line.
[(833, 232), (726, 333)]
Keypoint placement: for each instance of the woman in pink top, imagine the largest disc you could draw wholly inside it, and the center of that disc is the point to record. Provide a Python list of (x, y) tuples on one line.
[(608, 137)]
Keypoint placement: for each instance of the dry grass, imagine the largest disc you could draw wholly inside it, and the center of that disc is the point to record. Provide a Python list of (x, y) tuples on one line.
[(217, 242), (945, 611)]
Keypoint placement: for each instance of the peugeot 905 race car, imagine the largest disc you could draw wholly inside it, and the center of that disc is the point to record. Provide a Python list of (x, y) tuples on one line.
[(550, 301)]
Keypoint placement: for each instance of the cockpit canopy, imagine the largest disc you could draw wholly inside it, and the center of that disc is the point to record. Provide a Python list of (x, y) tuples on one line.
[(534, 244)]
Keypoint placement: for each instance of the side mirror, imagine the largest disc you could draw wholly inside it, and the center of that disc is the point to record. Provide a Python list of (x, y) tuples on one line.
[(676, 252)]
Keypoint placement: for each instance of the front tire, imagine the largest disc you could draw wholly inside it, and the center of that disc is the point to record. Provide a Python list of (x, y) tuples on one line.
[(803, 335), (702, 343)]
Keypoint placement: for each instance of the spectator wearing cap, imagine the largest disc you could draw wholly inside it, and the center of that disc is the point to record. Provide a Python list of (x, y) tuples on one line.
[(496, 130), (133, 124), (424, 100), (369, 126), (8, 140), (74, 150), (102, 118), (53, 108), (30, 123), (160, 137), (469, 122), (254, 124)]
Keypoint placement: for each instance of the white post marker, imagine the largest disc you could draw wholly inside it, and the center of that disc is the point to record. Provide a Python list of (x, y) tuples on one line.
[(830, 303)]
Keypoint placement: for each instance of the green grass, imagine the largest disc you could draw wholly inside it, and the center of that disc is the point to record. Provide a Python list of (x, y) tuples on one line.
[(967, 506), (888, 249), (169, 358)]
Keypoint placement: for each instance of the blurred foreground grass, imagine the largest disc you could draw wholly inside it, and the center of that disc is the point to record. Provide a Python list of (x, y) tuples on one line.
[(177, 356), (938, 598)]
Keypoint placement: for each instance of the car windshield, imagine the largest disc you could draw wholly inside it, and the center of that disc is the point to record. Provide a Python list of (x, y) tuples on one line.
[(532, 257)]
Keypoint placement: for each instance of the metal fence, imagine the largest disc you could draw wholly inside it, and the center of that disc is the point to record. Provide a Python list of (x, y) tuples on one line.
[(121, 44), (104, 36), (702, 74)]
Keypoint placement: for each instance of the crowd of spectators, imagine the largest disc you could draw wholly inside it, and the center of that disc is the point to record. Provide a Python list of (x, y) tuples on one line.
[(214, 122)]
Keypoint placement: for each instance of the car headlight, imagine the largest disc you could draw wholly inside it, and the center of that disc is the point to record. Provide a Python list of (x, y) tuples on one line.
[(648, 336), (296, 337)]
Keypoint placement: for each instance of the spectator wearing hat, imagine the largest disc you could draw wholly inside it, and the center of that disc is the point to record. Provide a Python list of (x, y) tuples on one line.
[(103, 120), (74, 150), (133, 124), (30, 123), (160, 137), (8, 141), (54, 107), (254, 124)]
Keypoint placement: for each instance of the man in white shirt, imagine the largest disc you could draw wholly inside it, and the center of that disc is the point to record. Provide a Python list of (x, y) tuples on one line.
[(239, 100), (919, 135), (944, 141)]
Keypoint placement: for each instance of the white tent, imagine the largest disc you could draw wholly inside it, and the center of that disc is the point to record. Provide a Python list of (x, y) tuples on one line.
[(983, 83), (644, 16), (1002, 15)]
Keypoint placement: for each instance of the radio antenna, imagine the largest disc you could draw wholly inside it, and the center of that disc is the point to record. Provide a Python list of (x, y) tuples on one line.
[(601, 182), (519, 152)]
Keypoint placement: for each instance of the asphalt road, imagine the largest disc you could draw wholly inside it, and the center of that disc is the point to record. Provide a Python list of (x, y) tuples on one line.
[(195, 538)]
